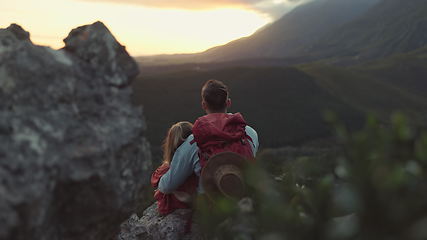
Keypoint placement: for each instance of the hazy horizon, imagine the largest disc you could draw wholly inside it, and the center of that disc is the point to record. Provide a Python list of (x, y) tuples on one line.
[(146, 27)]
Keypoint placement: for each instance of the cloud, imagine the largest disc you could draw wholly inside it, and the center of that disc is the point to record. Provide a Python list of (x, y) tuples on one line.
[(273, 8), (185, 4)]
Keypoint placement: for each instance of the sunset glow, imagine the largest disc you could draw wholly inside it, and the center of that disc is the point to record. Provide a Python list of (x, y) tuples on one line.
[(143, 30)]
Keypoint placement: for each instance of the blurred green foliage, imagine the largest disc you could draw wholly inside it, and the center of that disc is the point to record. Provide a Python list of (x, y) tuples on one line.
[(373, 187)]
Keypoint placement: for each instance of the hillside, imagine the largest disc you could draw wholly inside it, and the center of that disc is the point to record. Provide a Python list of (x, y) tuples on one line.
[(290, 36), (366, 93), (339, 32), (406, 71), (393, 26), (286, 104), (294, 32)]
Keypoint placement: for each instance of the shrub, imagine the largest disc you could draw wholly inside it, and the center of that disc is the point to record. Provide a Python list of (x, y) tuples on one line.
[(375, 187)]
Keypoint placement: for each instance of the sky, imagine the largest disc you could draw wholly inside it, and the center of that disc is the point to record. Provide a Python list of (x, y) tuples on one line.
[(146, 27)]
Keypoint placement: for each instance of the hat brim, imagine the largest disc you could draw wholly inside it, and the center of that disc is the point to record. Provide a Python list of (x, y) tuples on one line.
[(221, 160)]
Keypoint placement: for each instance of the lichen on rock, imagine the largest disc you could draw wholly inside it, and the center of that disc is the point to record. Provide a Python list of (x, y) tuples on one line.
[(73, 156)]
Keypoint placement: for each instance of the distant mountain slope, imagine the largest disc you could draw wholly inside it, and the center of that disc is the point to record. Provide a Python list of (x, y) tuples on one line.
[(366, 93), (285, 105), (294, 32), (393, 26), (289, 36), (406, 71), (343, 32)]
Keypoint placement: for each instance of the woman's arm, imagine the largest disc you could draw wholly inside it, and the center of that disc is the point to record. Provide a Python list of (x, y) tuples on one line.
[(181, 167)]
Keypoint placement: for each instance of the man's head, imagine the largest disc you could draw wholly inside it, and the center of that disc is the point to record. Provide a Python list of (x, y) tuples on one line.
[(215, 98)]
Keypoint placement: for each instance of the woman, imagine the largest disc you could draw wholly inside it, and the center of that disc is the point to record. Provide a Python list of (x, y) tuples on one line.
[(181, 198)]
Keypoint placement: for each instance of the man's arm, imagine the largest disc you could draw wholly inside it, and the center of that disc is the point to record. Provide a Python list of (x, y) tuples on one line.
[(182, 166), (254, 136)]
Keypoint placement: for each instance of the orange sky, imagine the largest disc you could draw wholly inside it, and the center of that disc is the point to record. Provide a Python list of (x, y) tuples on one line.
[(146, 27)]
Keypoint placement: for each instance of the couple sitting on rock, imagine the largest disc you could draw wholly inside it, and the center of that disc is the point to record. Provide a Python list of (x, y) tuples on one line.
[(206, 158)]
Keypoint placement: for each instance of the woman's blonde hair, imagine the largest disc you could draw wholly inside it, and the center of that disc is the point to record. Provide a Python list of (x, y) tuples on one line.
[(174, 138)]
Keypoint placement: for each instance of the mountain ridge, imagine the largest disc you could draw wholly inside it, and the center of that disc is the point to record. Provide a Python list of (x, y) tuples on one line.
[(285, 37), (333, 31)]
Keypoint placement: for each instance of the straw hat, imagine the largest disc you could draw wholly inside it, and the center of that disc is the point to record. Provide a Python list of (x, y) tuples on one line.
[(223, 176)]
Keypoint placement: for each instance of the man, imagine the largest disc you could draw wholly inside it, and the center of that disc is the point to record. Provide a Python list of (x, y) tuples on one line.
[(185, 162)]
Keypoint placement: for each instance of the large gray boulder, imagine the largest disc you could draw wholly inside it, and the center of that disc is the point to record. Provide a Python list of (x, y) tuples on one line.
[(152, 226), (73, 158)]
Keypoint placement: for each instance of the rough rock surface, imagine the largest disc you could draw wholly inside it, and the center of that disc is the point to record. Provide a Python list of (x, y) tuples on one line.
[(152, 226), (73, 157)]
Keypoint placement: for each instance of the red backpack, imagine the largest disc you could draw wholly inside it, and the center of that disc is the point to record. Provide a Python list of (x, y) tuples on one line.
[(221, 132)]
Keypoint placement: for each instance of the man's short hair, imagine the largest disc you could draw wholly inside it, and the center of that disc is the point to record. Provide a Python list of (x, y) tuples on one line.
[(215, 95)]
